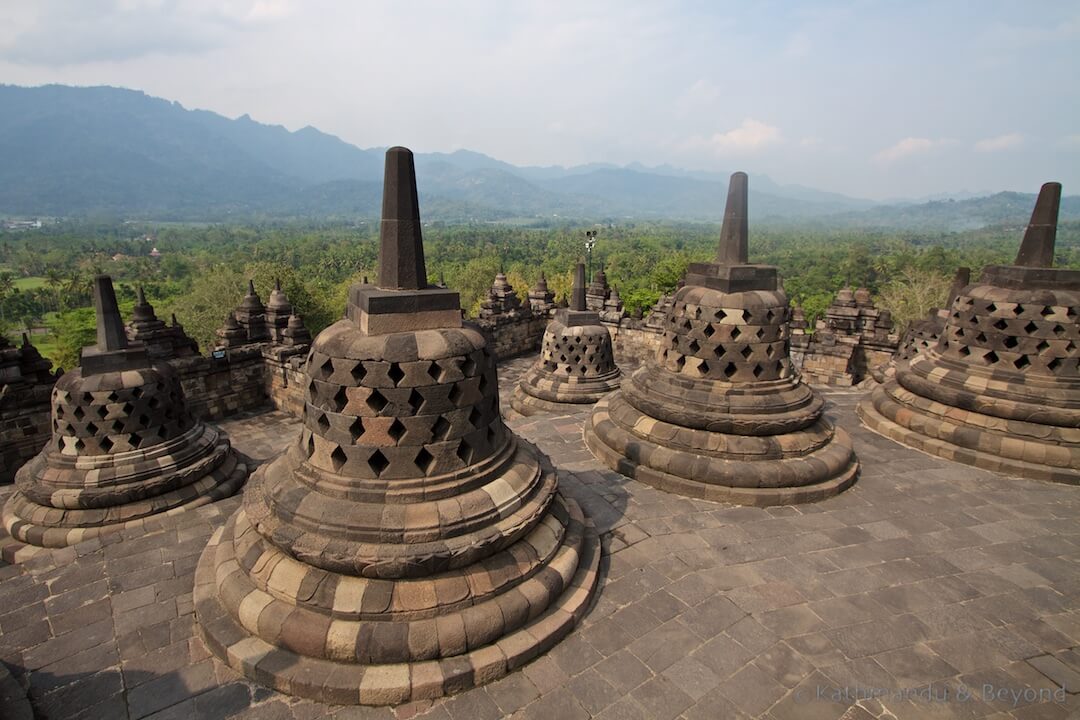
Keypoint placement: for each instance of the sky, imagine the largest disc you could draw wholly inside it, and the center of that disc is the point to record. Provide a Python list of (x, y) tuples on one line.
[(878, 100)]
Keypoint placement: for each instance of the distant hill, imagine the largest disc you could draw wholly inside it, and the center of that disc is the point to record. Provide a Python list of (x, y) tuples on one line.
[(104, 151)]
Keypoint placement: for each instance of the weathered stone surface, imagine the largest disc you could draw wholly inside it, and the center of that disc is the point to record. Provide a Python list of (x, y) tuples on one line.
[(124, 447), (852, 337), (406, 545), (720, 413), (26, 382), (1001, 388), (576, 364)]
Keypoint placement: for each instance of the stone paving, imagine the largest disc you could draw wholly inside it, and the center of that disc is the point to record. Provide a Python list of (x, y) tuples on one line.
[(928, 590)]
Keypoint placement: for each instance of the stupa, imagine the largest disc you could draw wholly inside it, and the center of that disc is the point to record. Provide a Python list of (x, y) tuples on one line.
[(124, 446), (161, 341), (541, 299), (720, 414), (1001, 388), (26, 381), (576, 365), (406, 545)]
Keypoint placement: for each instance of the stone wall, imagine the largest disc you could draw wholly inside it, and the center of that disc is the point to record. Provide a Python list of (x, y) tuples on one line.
[(512, 335), (217, 387), (634, 339)]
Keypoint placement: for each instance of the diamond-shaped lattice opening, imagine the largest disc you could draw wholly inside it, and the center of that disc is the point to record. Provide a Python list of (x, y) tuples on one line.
[(338, 457), (136, 392), (735, 333), (708, 331), (396, 373), (703, 368), (991, 307), (465, 452), (326, 369), (80, 445), (359, 372), (680, 363), (456, 391), (990, 358), (87, 398), (1031, 327), (118, 426), (435, 371), (1059, 330), (144, 420), (79, 414), (376, 401), (154, 402), (356, 429), (468, 366), (1054, 364), (106, 443), (1018, 310), (719, 351), (425, 461), (697, 313), (441, 429), (1043, 346), (1021, 362), (1046, 311), (746, 352), (730, 369), (91, 428), (1010, 342), (720, 315), (323, 423), (128, 408), (482, 385), (310, 446), (1001, 324), (396, 430), (746, 315), (769, 316), (694, 346), (758, 370), (134, 440), (416, 401), (340, 399), (981, 337), (770, 351), (476, 417), (59, 411), (102, 411)]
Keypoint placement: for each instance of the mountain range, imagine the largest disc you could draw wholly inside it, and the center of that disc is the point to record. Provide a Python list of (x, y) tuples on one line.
[(104, 151)]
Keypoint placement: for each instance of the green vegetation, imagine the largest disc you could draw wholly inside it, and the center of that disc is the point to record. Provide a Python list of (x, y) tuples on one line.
[(46, 275)]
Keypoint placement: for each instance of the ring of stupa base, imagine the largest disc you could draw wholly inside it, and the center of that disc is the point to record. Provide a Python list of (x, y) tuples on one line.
[(798, 467), (539, 391), (1017, 396), (1010, 447), (395, 537), (43, 526), (107, 480), (299, 649), (771, 407)]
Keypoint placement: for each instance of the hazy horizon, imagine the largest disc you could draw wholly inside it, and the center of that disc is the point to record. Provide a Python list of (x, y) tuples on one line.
[(868, 99)]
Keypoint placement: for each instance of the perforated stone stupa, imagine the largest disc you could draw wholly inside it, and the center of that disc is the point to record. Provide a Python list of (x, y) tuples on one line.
[(406, 545), (1001, 388), (26, 381), (720, 414), (124, 446), (576, 364)]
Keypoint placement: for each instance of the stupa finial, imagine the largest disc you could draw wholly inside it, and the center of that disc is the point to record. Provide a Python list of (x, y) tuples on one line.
[(577, 293), (735, 232), (110, 326), (1037, 248), (401, 243)]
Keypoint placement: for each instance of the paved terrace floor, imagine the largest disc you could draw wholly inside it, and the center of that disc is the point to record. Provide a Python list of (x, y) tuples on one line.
[(926, 578)]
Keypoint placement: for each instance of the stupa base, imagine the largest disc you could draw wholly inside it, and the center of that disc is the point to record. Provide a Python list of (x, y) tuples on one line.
[(234, 616), (38, 526), (529, 405), (826, 468), (966, 436)]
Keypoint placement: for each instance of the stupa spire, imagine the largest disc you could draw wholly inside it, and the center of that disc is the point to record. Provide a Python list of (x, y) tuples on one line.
[(577, 294), (401, 245), (735, 232), (1037, 248), (110, 326)]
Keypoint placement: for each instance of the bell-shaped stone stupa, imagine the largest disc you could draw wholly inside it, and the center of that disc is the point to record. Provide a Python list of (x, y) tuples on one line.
[(124, 446), (1001, 388), (720, 414), (406, 545), (576, 365)]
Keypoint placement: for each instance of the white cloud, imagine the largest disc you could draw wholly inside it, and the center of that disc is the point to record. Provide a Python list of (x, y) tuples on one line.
[(1001, 142), (752, 135), (906, 147)]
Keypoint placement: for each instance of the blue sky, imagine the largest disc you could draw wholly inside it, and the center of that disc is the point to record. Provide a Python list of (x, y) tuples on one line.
[(872, 99)]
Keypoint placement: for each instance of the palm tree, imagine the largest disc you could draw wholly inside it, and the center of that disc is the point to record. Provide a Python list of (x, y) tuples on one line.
[(54, 280), (7, 286)]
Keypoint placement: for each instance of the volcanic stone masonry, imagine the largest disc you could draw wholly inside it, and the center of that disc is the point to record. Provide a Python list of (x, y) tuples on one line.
[(1001, 388), (719, 413), (25, 387), (406, 545), (124, 447), (162, 342), (576, 364), (851, 338), (922, 334)]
